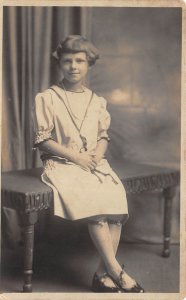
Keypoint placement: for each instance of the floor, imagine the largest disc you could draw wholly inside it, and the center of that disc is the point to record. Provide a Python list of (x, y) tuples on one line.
[(69, 267)]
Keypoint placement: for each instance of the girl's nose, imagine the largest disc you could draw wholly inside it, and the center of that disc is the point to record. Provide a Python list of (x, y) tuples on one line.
[(73, 65)]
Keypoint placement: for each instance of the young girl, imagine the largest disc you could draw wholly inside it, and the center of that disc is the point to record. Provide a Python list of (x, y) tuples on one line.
[(71, 124)]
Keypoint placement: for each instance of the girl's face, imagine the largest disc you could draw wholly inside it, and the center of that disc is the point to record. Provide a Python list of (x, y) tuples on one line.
[(74, 66)]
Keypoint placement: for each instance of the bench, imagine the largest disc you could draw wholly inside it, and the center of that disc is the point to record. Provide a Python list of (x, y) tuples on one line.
[(24, 191)]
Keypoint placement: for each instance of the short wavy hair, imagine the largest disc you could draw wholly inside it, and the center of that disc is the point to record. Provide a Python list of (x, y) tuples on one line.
[(75, 44)]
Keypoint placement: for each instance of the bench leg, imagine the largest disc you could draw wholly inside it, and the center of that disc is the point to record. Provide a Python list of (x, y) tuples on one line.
[(29, 222), (168, 193)]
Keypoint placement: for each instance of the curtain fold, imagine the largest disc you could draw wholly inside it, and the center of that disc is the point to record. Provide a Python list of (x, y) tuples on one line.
[(11, 134)]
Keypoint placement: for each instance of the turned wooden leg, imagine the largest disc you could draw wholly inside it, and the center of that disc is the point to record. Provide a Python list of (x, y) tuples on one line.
[(29, 222), (168, 193)]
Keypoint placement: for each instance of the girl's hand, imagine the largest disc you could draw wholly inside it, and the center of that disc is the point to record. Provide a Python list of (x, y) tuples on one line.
[(86, 161), (96, 156)]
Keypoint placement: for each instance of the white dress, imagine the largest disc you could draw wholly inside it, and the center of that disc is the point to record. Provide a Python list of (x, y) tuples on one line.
[(78, 193)]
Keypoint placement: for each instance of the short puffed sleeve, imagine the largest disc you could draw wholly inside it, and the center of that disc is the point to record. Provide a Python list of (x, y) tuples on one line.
[(104, 121), (43, 117)]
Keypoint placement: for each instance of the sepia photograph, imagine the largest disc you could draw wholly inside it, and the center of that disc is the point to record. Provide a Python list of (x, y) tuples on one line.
[(91, 150)]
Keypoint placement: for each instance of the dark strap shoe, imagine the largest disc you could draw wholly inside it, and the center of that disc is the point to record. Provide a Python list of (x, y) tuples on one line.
[(134, 289), (99, 286)]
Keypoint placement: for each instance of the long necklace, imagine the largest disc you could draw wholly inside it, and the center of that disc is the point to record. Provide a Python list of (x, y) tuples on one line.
[(68, 108), (68, 102)]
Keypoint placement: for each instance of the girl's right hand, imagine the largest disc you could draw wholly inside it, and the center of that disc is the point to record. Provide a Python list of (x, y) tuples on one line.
[(85, 160)]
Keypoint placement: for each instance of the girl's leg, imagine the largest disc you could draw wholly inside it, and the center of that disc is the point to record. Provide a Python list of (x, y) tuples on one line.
[(100, 234), (115, 227), (101, 237)]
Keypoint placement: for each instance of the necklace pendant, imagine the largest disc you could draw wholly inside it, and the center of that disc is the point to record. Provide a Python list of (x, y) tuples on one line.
[(84, 140)]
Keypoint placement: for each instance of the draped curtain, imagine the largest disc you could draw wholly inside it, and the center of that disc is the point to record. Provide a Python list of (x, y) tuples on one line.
[(30, 34)]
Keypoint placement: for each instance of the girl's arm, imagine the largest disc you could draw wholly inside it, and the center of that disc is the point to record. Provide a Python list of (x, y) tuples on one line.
[(85, 159), (100, 150), (54, 148)]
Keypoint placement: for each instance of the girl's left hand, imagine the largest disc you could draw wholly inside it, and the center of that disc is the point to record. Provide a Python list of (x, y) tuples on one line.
[(96, 157)]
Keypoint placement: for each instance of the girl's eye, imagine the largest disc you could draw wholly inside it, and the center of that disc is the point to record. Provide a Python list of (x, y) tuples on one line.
[(69, 61), (80, 60)]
